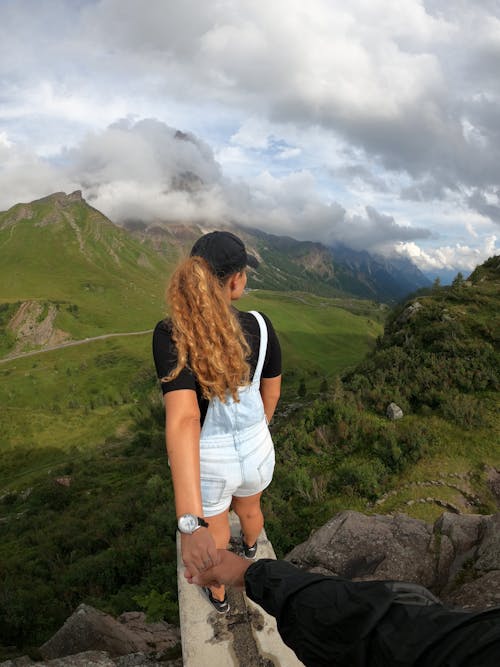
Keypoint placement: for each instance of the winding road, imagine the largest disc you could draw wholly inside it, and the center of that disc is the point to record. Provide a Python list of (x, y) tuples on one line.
[(72, 343)]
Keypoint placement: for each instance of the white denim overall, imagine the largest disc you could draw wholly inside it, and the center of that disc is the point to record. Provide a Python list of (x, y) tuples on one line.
[(236, 449)]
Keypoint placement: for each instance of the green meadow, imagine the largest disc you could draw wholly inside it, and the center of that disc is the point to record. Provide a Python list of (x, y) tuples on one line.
[(75, 398)]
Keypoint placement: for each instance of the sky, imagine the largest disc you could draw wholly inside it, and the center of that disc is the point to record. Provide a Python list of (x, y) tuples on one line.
[(372, 123)]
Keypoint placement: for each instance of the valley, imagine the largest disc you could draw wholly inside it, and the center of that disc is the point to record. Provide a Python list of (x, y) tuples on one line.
[(86, 506)]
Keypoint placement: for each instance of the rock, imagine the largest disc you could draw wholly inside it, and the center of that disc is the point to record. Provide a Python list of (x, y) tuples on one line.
[(478, 594), (85, 659), (161, 635), (488, 553), (410, 312), (464, 530), (89, 629), (493, 482), (23, 661), (394, 411), (94, 659), (376, 547), (63, 481)]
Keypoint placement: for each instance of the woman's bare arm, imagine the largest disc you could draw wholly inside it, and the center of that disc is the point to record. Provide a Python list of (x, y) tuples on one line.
[(270, 390), (183, 447)]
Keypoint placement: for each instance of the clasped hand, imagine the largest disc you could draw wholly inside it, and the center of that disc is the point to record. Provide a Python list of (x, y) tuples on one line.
[(229, 570), (198, 551)]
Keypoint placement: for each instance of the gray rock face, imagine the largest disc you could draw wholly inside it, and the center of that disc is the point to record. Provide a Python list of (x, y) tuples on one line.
[(488, 553), (160, 637), (457, 558), (493, 482), (376, 547), (93, 659), (89, 629), (477, 594), (464, 530)]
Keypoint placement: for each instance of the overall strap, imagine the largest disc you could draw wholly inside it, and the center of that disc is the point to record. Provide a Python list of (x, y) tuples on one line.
[(263, 345)]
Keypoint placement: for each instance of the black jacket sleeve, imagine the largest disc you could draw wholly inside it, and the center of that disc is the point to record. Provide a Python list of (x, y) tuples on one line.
[(322, 619), (330, 621)]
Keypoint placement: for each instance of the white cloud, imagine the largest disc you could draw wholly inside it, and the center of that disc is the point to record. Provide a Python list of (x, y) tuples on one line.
[(459, 257), (323, 114)]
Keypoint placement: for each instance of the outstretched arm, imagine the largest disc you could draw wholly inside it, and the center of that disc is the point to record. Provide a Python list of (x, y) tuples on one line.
[(183, 447), (324, 620)]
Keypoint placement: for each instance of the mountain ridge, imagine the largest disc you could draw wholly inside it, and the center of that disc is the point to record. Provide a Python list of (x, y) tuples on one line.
[(285, 263)]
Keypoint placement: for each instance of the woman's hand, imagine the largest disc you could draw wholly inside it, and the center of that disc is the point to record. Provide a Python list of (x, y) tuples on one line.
[(198, 551), (230, 571)]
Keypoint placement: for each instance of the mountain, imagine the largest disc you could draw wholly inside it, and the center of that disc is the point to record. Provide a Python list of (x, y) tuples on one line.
[(64, 261), (286, 264), (67, 271), (394, 278)]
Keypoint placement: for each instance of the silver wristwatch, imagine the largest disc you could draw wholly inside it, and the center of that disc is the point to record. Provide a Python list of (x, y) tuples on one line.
[(189, 523)]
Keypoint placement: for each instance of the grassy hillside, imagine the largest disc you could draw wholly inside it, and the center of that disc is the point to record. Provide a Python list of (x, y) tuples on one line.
[(92, 414), (86, 507), (59, 250), (439, 360), (79, 396)]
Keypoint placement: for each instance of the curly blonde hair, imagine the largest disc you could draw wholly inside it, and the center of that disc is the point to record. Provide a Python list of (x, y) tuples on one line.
[(207, 334)]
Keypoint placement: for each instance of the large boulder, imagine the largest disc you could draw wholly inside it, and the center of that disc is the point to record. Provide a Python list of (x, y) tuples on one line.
[(89, 629), (477, 594), (160, 636), (356, 546), (488, 553), (394, 412), (463, 530), (94, 659)]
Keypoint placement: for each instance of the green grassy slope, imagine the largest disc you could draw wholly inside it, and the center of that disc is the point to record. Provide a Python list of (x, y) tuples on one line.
[(319, 336), (79, 396), (61, 250), (93, 413), (440, 361)]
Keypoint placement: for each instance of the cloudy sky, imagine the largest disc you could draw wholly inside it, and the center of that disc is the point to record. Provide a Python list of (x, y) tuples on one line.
[(374, 123)]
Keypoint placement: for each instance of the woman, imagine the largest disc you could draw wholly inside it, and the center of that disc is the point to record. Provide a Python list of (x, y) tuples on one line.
[(221, 376)]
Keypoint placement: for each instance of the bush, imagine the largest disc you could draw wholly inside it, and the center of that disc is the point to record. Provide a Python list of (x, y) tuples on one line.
[(465, 410), (361, 476)]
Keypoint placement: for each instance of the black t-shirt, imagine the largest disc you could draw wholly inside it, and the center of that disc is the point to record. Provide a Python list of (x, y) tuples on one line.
[(165, 355)]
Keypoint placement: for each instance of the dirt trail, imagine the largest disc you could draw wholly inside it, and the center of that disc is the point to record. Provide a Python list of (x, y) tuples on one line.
[(72, 343)]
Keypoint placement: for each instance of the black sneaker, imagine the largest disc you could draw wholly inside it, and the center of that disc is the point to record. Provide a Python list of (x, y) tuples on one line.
[(221, 606), (249, 552)]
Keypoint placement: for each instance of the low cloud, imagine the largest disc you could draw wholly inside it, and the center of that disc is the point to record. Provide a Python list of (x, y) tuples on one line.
[(148, 170), (459, 257)]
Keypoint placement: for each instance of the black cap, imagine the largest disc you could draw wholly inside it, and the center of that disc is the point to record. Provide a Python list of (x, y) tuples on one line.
[(224, 252)]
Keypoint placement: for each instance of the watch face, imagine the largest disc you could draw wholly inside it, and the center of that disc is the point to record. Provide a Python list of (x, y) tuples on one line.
[(187, 523)]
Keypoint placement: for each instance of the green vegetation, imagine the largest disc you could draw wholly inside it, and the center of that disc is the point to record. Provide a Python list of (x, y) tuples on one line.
[(440, 351), (107, 539), (100, 278), (93, 413), (79, 396), (320, 337), (7, 338), (86, 507)]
